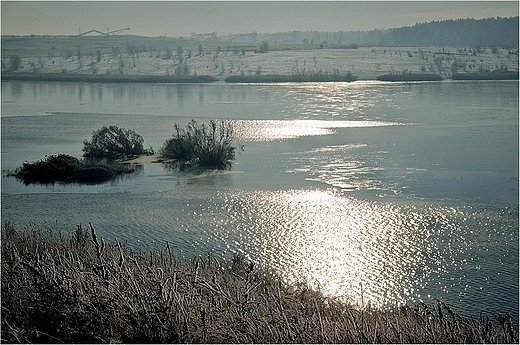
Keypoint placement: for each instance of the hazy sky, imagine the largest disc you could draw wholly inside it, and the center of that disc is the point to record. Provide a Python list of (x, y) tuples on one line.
[(172, 18)]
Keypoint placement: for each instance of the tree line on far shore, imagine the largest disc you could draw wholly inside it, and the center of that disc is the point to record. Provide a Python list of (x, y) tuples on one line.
[(488, 32)]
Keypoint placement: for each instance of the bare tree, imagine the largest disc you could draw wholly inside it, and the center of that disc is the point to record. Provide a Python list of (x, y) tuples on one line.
[(15, 61), (113, 142), (180, 53), (264, 48)]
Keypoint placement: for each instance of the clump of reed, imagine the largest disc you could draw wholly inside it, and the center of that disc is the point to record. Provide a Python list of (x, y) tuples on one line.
[(204, 145), (80, 288)]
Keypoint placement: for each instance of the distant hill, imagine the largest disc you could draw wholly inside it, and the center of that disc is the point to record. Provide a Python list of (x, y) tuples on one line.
[(491, 32)]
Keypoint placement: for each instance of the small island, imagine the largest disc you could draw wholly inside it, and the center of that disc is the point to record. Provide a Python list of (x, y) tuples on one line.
[(65, 168), (112, 150)]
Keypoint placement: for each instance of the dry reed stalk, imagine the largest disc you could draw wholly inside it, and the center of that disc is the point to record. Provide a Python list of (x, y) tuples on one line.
[(54, 289)]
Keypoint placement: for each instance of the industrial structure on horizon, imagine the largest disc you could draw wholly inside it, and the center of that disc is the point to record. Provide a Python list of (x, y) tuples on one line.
[(108, 33)]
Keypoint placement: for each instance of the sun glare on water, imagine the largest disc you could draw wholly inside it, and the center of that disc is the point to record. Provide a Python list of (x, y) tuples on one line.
[(348, 248), (267, 130)]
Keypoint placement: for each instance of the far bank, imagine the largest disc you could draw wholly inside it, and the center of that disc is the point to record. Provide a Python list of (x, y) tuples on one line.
[(187, 62)]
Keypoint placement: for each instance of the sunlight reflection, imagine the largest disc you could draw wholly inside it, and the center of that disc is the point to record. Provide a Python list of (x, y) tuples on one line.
[(361, 251), (333, 100), (267, 130), (354, 249), (346, 166)]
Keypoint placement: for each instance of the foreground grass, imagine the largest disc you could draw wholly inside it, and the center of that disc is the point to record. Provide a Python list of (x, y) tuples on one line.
[(57, 288)]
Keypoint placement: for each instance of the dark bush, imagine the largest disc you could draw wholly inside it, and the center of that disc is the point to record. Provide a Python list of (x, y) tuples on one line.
[(113, 142), (52, 168), (94, 173), (66, 168), (206, 145), (15, 61)]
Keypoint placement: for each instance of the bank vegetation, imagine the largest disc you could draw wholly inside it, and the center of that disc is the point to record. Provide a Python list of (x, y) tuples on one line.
[(487, 75), (63, 288), (292, 78), (410, 77), (106, 78)]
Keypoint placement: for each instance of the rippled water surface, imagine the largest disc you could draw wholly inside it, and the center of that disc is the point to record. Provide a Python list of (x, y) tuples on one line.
[(373, 192)]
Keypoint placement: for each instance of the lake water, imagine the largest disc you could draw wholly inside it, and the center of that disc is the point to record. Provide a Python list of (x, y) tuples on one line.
[(375, 192)]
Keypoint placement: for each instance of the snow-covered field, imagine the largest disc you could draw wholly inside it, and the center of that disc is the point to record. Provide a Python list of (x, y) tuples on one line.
[(365, 62)]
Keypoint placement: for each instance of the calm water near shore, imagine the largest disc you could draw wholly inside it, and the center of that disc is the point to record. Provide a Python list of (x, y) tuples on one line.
[(376, 192)]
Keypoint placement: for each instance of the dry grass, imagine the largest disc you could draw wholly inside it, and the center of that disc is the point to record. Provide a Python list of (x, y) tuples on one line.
[(81, 289)]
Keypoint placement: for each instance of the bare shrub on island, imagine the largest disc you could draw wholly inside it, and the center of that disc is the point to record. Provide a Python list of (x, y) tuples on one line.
[(205, 145), (113, 142)]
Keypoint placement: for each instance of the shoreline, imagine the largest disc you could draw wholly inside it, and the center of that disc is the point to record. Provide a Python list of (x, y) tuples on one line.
[(102, 78), (145, 79), (144, 159)]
